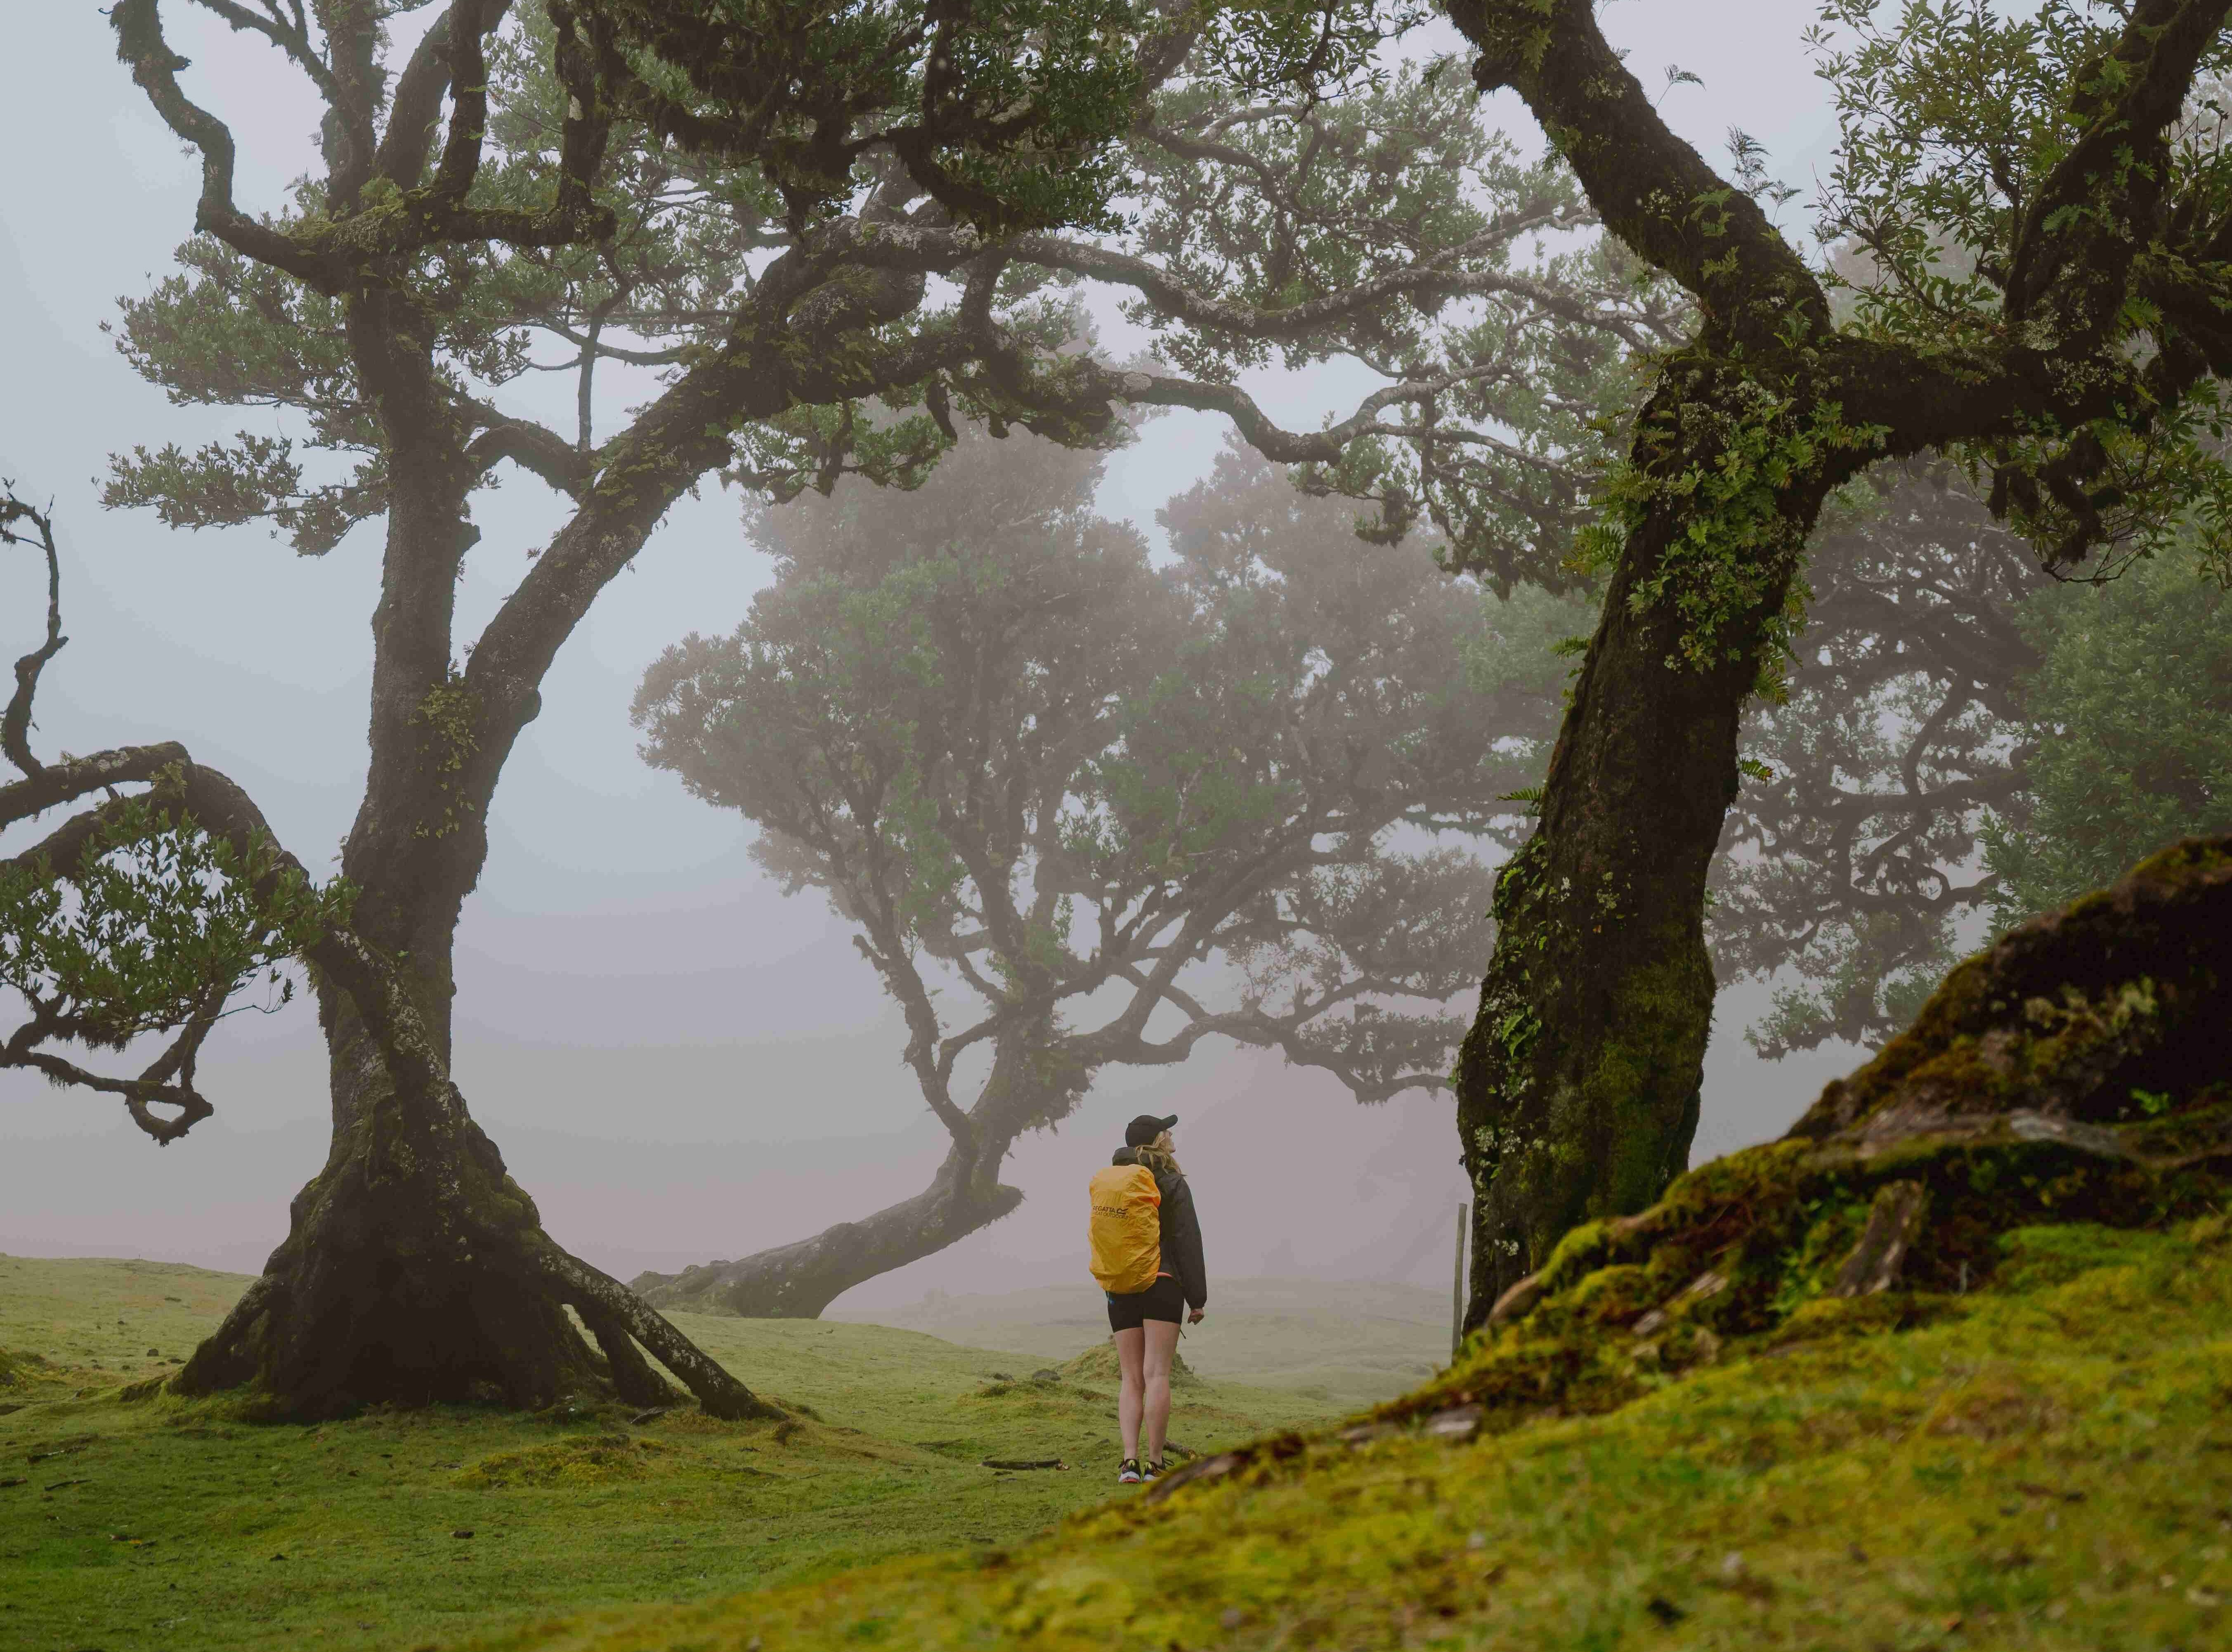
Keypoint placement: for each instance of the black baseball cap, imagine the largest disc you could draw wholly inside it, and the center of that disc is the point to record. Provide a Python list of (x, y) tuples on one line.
[(1142, 1130)]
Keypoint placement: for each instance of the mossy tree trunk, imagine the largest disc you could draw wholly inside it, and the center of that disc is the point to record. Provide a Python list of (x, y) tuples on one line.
[(1578, 1086), (415, 1269)]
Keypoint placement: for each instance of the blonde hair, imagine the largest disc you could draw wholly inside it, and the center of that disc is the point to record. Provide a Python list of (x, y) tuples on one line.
[(1160, 1155)]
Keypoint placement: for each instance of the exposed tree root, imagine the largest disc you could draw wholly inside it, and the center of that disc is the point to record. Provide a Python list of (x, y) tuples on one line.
[(2079, 1070), (415, 1269)]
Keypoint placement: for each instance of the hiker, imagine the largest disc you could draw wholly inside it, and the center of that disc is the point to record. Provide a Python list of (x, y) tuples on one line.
[(1146, 1254)]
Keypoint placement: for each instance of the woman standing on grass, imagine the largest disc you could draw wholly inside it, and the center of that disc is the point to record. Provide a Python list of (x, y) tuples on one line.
[(1145, 1321)]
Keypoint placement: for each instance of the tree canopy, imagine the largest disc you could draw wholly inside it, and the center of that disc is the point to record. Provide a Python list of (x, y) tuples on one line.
[(2130, 705), (1111, 808)]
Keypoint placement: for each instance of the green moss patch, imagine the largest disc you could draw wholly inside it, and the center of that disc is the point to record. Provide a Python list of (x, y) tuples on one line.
[(1097, 1365), (584, 1460), (2045, 1462), (20, 1370), (155, 1523)]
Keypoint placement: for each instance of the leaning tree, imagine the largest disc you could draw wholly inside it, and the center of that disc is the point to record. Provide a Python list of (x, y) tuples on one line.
[(2048, 219), (1085, 812), (768, 216)]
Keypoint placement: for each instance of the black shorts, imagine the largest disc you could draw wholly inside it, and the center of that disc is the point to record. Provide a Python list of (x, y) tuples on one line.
[(1163, 1299)]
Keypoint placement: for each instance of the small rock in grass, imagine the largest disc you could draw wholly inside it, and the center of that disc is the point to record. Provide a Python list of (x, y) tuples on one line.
[(1458, 1422), (463, 1532), (1665, 1611)]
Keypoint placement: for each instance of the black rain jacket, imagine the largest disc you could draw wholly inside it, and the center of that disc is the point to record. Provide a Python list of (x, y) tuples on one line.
[(1180, 1232)]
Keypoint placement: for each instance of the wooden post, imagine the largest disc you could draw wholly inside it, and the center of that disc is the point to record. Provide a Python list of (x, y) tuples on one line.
[(1457, 1296)]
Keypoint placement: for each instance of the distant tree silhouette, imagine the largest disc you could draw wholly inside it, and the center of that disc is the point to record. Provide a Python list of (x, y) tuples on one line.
[(1083, 811)]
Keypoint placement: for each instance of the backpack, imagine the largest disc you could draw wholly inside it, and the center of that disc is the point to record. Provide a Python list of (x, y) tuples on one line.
[(1125, 1237)]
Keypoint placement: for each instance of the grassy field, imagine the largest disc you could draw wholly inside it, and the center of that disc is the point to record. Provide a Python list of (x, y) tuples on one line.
[(2046, 1464), (1348, 1344), (171, 1525)]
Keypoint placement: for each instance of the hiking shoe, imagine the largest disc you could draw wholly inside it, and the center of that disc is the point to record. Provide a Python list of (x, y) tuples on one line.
[(1153, 1470), (1127, 1472)]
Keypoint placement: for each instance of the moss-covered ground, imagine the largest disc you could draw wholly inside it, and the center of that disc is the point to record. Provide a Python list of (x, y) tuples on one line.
[(167, 1524), (2045, 1463)]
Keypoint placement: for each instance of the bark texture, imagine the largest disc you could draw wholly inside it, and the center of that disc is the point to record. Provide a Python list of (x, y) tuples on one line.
[(1579, 1084), (416, 1270), (412, 1273)]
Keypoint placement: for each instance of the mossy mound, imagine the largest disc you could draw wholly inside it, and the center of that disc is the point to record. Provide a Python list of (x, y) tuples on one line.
[(22, 1370), (1097, 1364), (587, 1460), (2048, 1466), (2080, 1071)]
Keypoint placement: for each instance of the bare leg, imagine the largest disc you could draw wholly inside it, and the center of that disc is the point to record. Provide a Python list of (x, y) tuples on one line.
[(1162, 1342), (1129, 1347)]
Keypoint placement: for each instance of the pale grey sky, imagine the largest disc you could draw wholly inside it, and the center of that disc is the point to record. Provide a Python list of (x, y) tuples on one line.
[(678, 1063)]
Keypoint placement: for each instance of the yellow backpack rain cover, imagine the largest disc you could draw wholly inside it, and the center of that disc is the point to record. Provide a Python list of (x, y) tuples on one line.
[(1126, 1234)]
